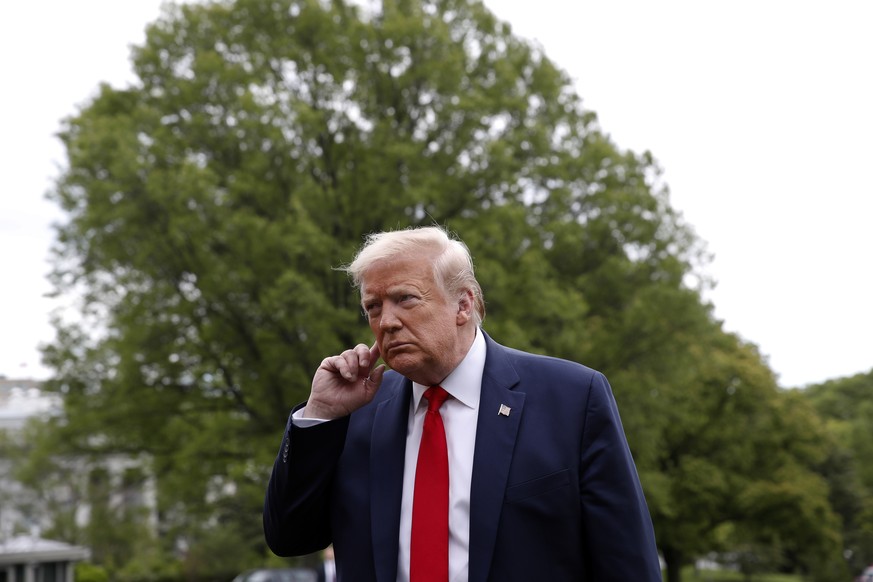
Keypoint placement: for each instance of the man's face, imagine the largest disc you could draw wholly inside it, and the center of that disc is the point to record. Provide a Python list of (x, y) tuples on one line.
[(421, 332)]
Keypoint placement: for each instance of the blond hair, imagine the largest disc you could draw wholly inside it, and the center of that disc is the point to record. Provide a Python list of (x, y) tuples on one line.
[(451, 260)]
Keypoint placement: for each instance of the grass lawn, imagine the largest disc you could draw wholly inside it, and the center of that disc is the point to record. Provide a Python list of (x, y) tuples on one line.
[(689, 575)]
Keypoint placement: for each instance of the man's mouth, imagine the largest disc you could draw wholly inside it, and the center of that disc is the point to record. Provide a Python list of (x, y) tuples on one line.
[(395, 346)]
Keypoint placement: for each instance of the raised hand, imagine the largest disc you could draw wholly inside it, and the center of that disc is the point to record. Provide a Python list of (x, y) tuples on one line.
[(344, 383)]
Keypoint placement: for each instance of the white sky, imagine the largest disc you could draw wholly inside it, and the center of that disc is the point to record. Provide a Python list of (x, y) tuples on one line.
[(760, 112)]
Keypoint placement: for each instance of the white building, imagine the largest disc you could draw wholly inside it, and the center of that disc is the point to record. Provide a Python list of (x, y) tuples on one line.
[(22, 399), (20, 511), (32, 559)]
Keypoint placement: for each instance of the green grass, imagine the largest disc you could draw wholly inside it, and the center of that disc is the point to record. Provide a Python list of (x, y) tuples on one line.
[(689, 575)]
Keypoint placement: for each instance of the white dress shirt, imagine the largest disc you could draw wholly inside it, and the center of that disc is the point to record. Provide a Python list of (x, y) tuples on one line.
[(460, 416), (329, 571)]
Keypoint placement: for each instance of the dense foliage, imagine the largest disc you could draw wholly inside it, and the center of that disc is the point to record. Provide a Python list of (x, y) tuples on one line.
[(846, 405), (209, 204)]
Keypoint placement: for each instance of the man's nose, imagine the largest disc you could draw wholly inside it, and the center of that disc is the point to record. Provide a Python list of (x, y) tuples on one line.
[(389, 320)]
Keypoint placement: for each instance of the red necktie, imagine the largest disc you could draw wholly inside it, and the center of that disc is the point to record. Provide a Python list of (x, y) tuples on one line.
[(429, 552)]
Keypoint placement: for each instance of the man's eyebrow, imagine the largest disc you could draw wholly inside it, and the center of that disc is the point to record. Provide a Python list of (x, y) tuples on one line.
[(393, 291)]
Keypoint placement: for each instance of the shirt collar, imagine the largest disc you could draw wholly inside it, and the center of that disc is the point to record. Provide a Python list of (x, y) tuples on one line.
[(465, 381)]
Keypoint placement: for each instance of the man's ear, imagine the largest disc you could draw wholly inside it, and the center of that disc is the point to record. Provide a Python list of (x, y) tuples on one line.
[(465, 307)]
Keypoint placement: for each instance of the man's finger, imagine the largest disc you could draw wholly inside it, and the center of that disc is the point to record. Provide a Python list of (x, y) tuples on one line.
[(375, 353), (374, 380), (362, 352), (347, 365)]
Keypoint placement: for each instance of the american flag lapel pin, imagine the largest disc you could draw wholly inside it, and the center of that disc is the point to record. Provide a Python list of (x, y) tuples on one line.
[(504, 410)]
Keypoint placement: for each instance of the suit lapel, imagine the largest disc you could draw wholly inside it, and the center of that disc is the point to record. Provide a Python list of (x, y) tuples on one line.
[(387, 451), (495, 440)]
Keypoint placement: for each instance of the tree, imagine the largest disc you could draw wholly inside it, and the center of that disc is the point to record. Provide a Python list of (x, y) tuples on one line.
[(734, 461), (209, 202), (845, 405)]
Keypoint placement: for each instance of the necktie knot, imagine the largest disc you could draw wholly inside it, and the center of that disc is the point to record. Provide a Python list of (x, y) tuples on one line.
[(435, 395)]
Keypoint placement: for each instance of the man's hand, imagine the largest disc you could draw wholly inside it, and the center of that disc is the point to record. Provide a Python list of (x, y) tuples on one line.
[(344, 383)]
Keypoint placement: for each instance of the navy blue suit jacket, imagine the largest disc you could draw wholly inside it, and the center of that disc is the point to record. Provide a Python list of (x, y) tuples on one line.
[(555, 493)]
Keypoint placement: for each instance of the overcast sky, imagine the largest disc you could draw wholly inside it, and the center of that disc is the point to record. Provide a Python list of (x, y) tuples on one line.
[(758, 111)]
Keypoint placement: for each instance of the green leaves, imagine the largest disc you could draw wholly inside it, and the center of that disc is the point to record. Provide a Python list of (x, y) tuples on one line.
[(209, 204), (846, 406)]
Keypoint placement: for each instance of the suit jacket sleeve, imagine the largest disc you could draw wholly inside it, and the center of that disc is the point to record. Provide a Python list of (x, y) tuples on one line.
[(617, 526), (296, 516)]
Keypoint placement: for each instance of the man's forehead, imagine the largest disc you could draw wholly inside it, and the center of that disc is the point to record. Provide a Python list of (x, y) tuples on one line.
[(382, 287), (397, 271)]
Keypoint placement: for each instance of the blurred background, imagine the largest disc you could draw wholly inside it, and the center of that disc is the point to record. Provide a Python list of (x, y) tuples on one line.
[(676, 194)]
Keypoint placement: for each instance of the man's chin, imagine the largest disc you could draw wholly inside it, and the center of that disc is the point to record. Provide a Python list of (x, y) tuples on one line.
[(409, 366), (402, 363)]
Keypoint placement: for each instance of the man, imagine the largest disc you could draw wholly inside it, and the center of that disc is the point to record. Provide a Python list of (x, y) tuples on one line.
[(326, 571), (540, 483)]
